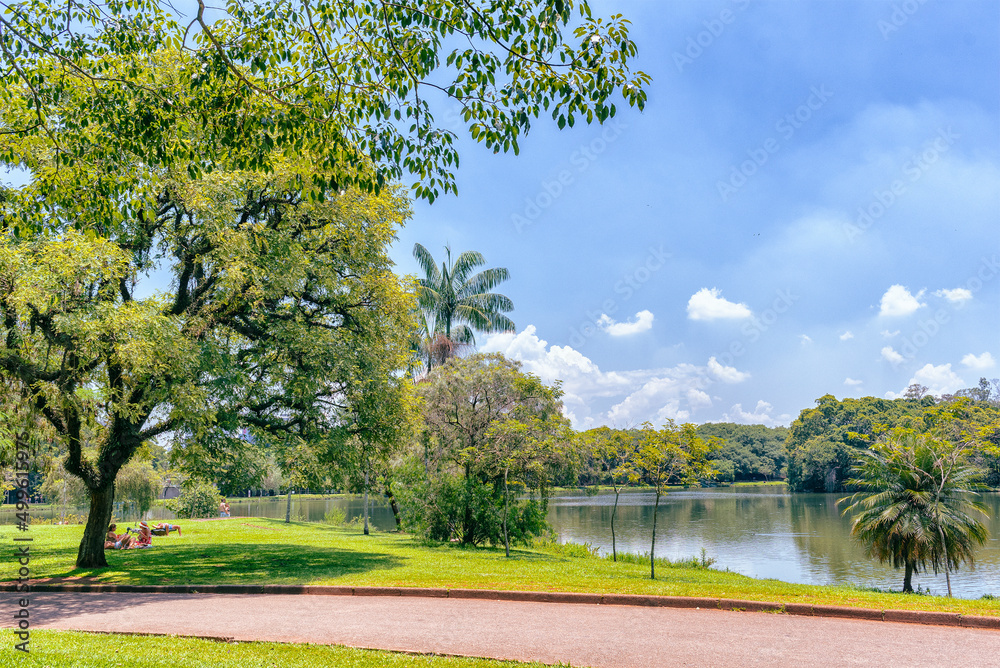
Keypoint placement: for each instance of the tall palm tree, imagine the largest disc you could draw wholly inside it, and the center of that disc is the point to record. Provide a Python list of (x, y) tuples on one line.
[(914, 507), (455, 300)]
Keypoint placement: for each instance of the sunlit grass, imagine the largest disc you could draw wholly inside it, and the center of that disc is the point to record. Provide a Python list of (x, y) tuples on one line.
[(69, 649), (268, 551)]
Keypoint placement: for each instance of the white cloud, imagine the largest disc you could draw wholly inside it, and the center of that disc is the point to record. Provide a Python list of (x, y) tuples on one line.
[(979, 362), (761, 414), (939, 379), (886, 334), (805, 339), (956, 296), (897, 300), (592, 397), (643, 322), (708, 304), (891, 355), (847, 335), (726, 374), (851, 382)]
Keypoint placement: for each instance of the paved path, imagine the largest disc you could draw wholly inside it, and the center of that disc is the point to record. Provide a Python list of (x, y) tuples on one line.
[(582, 635)]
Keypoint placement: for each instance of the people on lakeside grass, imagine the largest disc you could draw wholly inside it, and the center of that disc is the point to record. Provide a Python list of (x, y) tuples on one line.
[(223, 508), (164, 529), (145, 538), (113, 541)]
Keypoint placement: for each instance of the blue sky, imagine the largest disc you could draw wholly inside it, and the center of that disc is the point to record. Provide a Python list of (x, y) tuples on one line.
[(808, 205)]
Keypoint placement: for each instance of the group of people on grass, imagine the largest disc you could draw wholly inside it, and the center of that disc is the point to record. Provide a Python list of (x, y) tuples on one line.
[(140, 539)]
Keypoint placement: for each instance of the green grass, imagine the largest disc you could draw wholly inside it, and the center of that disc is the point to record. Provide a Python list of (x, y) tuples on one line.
[(259, 551), (70, 649)]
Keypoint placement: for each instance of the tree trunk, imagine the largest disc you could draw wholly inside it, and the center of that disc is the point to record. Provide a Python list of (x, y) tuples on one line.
[(91, 554), (506, 511), (652, 546), (392, 502), (468, 530), (288, 507), (614, 511), (908, 578), (366, 502)]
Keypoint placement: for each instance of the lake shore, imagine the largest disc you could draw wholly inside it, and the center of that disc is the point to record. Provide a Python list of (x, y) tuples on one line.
[(268, 551)]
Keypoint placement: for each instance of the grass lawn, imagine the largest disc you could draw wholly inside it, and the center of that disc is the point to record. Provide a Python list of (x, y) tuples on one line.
[(70, 649), (266, 551)]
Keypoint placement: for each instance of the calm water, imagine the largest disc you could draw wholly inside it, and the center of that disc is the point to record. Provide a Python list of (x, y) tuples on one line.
[(764, 532)]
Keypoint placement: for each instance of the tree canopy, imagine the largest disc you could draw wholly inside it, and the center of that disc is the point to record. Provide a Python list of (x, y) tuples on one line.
[(282, 314), (356, 83)]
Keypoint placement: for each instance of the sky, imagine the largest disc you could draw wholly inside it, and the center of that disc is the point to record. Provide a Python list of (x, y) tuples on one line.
[(808, 205)]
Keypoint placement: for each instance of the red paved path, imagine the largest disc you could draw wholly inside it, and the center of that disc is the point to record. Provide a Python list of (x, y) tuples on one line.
[(583, 635)]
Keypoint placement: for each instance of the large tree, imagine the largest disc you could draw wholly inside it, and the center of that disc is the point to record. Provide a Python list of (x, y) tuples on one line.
[(487, 425), (355, 83), (915, 505), (281, 316)]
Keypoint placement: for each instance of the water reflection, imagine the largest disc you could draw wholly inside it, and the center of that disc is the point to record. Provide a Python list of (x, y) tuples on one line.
[(762, 532)]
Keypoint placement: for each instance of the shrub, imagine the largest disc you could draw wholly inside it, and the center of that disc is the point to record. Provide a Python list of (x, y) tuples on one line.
[(198, 499)]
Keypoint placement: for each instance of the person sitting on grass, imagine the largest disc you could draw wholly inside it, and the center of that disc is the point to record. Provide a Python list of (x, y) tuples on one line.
[(145, 538), (164, 529), (117, 542)]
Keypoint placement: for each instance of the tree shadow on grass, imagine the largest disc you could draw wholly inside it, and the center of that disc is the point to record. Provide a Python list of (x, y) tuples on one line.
[(215, 563)]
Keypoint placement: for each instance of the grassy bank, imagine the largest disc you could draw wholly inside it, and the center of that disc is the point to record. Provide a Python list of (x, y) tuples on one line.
[(256, 550), (68, 649)]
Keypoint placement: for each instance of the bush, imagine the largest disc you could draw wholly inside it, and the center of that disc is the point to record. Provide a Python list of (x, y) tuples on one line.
[(335, 516), (198, 499)]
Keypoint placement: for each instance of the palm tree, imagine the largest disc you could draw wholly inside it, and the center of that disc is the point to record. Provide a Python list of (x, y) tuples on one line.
[(455, 300), (914, 507)]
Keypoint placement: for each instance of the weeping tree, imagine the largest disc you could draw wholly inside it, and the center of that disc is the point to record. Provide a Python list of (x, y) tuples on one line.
[(915, 506)]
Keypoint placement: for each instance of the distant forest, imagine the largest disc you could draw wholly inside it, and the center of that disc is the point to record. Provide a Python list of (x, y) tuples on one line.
[(816, 452)]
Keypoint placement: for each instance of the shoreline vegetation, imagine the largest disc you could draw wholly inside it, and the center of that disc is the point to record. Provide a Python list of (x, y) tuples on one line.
[(267, 551)]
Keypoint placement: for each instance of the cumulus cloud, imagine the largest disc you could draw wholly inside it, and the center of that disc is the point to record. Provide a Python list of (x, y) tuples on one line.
[(709, 304), (643, 322), (851, 382), (886, 334), (727, 374), (805, 339), (889, 354), (956, 296), (979, 362), (939, 379), (897, 300), (846, 336), (761, 414), (593, 397)]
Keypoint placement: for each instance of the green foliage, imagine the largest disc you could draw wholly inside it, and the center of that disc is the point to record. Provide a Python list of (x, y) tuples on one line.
[(335, 516), (454, 301), (913, 507), (491, 434), (198, 498), (747, 452), (137, 485), (824, 442), (355, 84)]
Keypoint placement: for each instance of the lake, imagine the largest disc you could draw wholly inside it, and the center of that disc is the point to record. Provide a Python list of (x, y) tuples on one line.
[(764, 532)]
